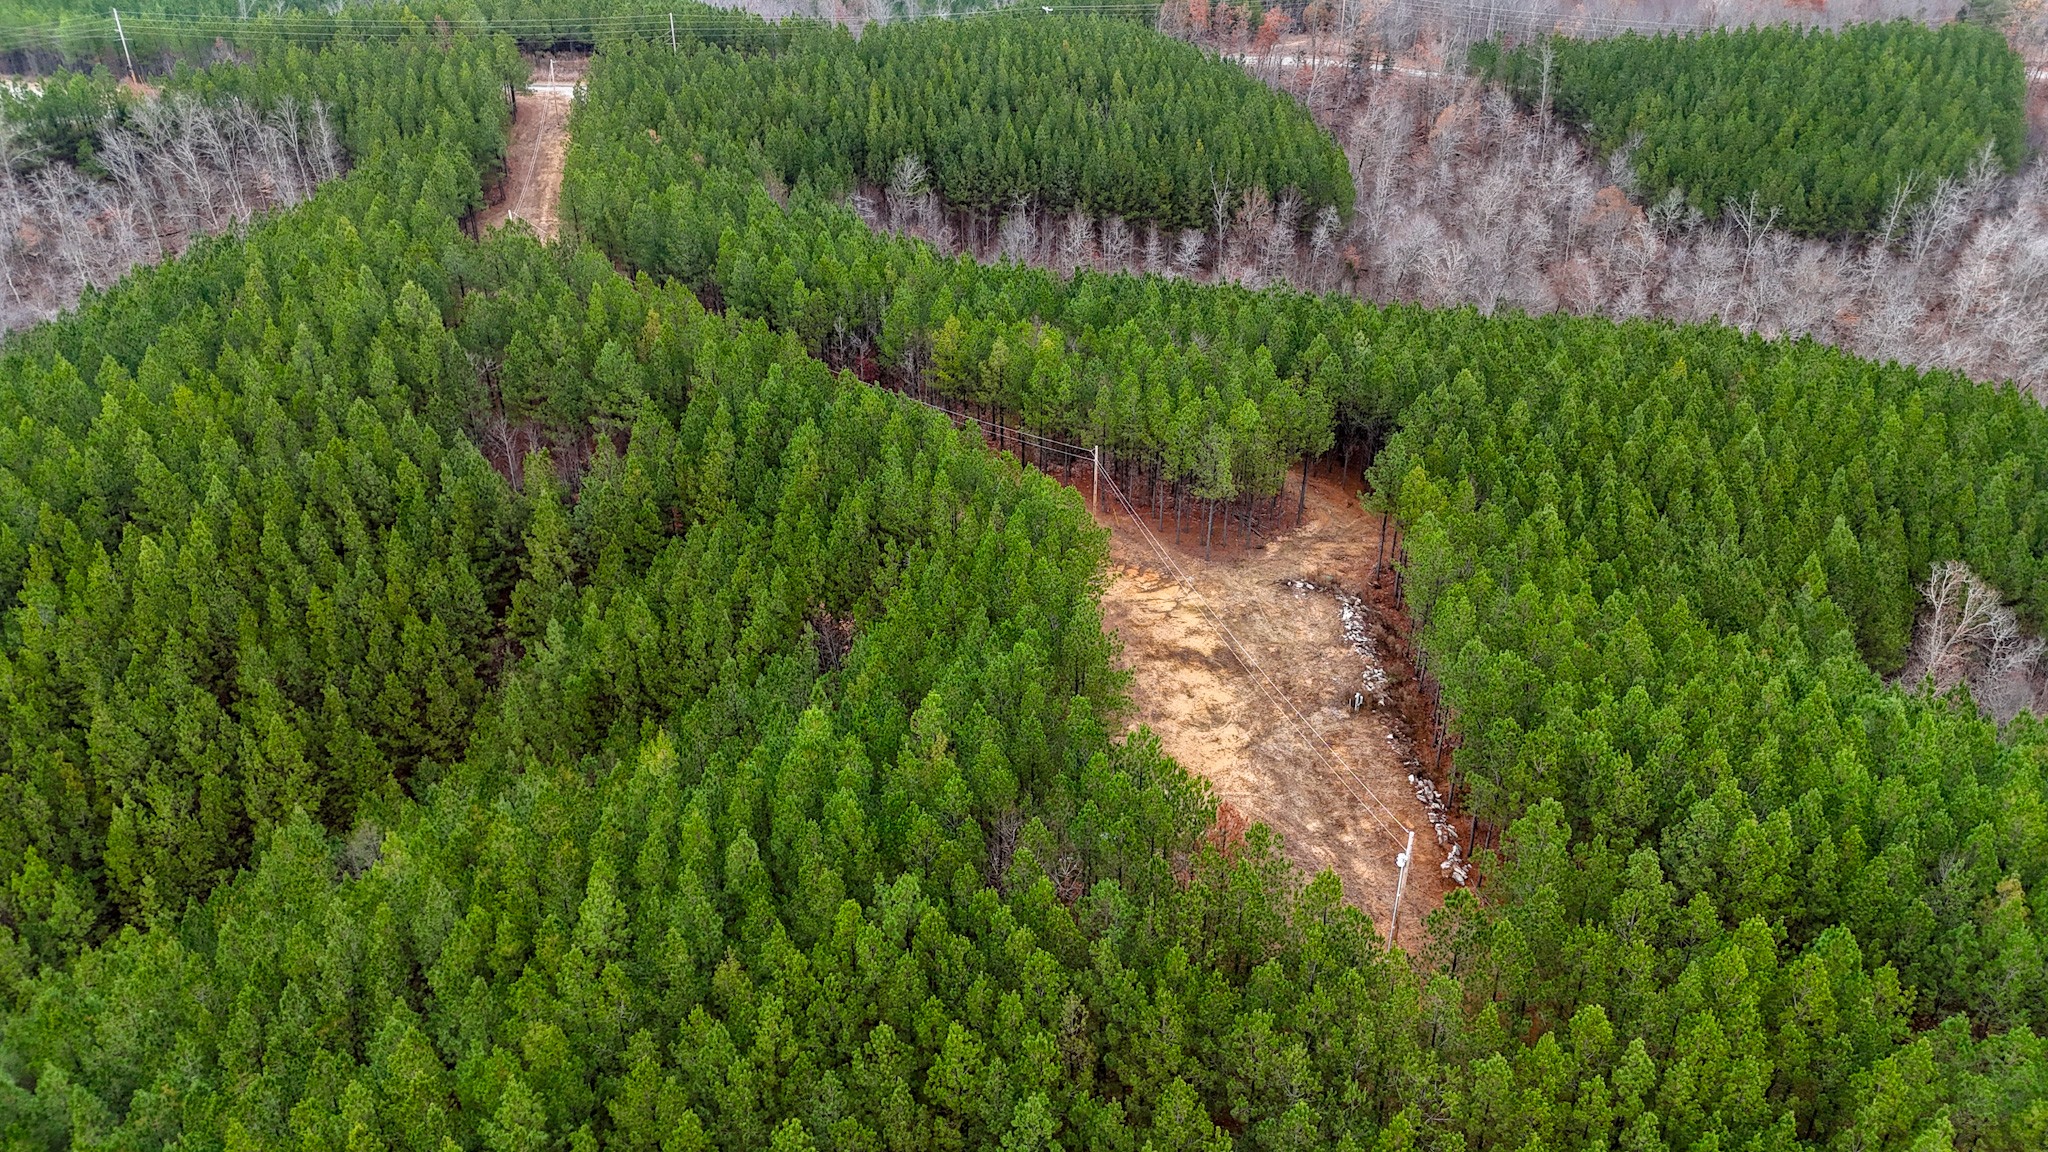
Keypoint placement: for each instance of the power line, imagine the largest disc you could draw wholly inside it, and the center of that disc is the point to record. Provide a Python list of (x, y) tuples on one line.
[(1314, 741), (1021, 435), (1317, 746), (1497, 16), (310, 26)]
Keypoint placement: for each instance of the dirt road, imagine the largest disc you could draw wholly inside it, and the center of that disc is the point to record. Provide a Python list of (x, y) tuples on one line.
[(534, 155), (1332, 782)]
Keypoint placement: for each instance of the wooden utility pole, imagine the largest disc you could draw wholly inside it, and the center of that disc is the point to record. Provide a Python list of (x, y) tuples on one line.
[(1400, 886), (120, 32), (1095, 473)]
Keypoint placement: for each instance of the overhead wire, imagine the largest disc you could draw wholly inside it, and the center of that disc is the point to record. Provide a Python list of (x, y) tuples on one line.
[(317, 26), (1075, 451), (1317, 745), (1492, 12), (313, 28), (1312, 739)]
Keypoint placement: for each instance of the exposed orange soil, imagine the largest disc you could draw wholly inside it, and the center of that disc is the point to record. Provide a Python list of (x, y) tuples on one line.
[(1339, 797), (538, 147)]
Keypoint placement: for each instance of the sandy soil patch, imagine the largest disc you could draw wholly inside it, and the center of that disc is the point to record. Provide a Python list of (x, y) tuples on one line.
[(1333, 782), (537, 149)]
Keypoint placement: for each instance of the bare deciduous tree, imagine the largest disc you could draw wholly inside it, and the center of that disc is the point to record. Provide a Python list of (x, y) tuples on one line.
[(1017, 234), (1187, 251), (1077, 240), (1962, 618), (176, 168), (1463, 199), (1966, 635), (325, 151), (908, 182), (1116, 242), (1322, 245)]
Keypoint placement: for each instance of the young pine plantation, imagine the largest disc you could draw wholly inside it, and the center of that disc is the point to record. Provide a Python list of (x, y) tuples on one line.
[(468, 692), (1829, 132)]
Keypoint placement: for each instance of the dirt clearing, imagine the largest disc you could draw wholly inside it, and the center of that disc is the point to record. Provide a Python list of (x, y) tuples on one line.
[(538, 147), (1339, 798)]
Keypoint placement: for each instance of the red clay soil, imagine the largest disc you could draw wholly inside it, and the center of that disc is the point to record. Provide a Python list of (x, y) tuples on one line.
[(538, 146), (1280, 743), (1278, 740)]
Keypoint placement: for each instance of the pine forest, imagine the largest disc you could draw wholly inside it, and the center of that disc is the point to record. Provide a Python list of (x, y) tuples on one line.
[(1835, 132), (492, 687)]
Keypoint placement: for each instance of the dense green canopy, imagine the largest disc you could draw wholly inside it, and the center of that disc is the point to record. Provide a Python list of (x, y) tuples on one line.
[(1823, 127), (458, 696), (1083, 113)]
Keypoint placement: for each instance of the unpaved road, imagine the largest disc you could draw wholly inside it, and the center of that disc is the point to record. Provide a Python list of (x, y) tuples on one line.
[(1213, 715), (534, 156)]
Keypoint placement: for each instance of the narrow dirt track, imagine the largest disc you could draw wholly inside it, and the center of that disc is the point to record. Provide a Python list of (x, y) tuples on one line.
[(534, 156), (1338, 797)]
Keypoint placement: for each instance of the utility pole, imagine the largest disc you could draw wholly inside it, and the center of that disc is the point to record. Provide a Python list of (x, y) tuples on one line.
[(1095, 474), (671, 33), (118, 31), (1400, 886)]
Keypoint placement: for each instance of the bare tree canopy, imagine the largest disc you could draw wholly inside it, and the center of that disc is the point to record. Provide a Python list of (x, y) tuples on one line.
[(1967, 635), (1464, 198), (171, 170)]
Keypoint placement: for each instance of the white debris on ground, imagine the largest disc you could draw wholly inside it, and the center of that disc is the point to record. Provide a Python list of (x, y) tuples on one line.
[(1439, 810), (1353, 611), (1375, 677)]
